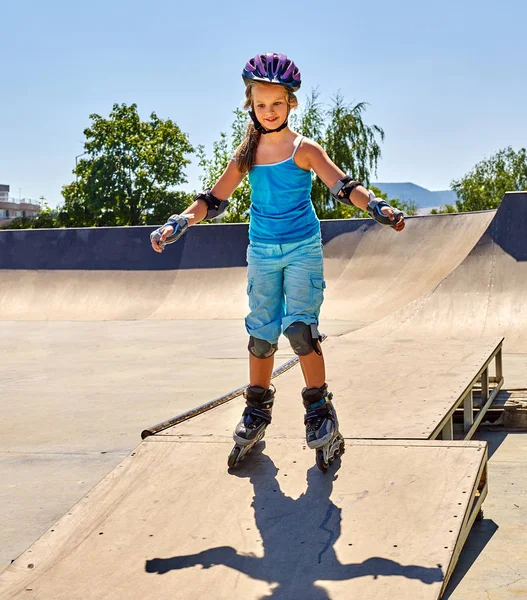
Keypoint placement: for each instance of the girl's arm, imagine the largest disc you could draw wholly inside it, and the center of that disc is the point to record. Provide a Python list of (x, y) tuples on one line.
[(223, 189), (330, 174), (176, 225)]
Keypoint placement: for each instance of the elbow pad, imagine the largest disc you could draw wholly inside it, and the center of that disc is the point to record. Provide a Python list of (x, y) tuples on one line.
[(374, 210), (341, 191), (215, 206)]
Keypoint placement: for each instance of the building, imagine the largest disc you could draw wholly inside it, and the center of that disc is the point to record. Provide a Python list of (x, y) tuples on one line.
[(11, 208)]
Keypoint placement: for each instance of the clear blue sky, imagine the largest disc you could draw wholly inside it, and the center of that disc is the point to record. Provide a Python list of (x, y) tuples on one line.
[(446, 80)]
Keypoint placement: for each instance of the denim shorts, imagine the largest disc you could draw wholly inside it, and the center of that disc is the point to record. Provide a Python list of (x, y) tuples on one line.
[(285, 283)]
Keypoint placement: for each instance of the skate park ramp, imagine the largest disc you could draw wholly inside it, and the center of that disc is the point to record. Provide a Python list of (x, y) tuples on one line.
[(141, 533), (486, 295), (113, 274), (267, 530)]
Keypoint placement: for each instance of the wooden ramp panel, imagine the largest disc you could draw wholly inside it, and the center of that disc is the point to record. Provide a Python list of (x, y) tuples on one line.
[(389, 389), (171, 523)]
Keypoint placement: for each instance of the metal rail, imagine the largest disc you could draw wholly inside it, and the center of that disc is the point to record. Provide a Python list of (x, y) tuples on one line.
[(199, 410), (445, 430)]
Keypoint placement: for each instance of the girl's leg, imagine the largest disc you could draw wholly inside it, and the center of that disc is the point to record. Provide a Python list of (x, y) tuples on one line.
[(265, 288), (263, 324), (260, 371), (313, 369), (304, 290)]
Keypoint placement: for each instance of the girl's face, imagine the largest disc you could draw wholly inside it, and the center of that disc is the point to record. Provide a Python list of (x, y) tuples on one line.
[(270, 104)]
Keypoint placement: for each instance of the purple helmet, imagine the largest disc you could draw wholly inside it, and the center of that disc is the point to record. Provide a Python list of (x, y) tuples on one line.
[(272, 68)]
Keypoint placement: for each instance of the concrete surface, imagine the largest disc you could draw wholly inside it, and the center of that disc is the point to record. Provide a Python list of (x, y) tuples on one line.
[(76, 396), (493, 564)]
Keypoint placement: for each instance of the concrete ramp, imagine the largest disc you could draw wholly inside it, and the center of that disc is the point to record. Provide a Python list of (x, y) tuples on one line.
[(371, 275), (113, 274), (484, 296)]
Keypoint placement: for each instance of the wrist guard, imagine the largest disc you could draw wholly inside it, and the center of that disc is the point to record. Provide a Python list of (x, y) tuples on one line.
[(341, 191), (180, 225), (374, 210), (215, 206)]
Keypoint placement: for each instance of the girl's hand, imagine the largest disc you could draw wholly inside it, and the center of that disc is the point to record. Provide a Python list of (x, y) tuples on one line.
[(170, 232), (389, 212), (165, 232)]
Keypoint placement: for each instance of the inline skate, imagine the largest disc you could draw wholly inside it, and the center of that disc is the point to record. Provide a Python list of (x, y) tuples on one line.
[(255, 419), (322, 426)]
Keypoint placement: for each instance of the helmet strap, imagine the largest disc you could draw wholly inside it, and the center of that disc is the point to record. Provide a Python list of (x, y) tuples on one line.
[(259, 127)]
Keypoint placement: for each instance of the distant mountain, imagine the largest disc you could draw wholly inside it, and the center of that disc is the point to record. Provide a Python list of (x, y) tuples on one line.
[(421, 196)]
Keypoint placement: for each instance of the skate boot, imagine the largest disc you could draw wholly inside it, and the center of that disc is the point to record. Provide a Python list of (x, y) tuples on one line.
[(255, 418), (322, 426)]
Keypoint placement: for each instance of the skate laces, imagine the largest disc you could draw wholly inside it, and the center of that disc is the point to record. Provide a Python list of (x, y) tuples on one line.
[(256, 417), (314, 419), (313, 425), (255, 422)]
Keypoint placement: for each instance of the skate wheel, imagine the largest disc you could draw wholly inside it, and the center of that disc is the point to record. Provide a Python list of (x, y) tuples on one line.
[(480, 516), (233, 456), (321, 463)]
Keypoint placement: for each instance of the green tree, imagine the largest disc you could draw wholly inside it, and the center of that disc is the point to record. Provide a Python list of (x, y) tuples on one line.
[(18, 223), (442, 210), (484, 186), (311, 121), (222, 151), (354, 147), (349, 142), (167, 203), (128, 176), (46, 218)]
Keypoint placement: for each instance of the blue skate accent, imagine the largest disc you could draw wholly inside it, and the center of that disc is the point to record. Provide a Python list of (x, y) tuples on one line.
[(319, 403)]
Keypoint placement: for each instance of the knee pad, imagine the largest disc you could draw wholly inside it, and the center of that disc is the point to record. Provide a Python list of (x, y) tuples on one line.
[(303, 338), (261, 348)]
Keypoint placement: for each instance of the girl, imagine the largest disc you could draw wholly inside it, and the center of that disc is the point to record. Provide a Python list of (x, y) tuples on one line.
[(284, 256)]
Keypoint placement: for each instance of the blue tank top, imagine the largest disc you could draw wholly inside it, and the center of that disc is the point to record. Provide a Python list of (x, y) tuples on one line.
[(281, 208)]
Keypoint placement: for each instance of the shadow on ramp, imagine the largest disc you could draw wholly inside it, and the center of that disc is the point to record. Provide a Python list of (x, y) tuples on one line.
[(478, 538), (298, 538)]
